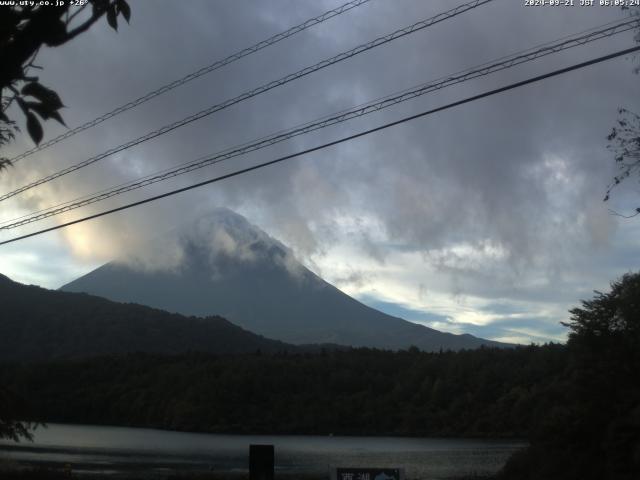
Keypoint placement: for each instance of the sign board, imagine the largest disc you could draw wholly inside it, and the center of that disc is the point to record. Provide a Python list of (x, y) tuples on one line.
[(367, 473)]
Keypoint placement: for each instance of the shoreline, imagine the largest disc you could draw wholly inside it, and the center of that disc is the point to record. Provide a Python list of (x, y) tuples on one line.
[(149, 454), (237, 433)]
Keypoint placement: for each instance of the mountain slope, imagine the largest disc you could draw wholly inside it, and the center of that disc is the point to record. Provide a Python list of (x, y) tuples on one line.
[(223, 265), (39, 324)]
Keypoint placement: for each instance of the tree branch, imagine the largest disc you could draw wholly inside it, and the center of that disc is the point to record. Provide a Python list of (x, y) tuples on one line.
[(84, 26), (79, 10)]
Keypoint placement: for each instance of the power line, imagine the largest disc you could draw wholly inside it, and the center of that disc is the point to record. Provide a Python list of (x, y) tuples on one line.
[(257, 91), (192, 76), (335, 142), (343, 116)]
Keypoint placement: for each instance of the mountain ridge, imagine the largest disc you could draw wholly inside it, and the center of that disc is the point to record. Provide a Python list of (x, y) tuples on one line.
[(41, 325), (223, 265)]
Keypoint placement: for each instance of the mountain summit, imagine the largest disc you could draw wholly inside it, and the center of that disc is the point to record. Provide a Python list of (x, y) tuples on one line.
[(223, 265)]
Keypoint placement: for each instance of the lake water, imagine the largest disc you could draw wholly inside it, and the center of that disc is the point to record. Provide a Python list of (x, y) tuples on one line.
[(113, 451)]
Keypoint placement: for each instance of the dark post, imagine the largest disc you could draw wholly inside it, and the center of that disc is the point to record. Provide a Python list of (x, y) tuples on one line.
[(261, 462)]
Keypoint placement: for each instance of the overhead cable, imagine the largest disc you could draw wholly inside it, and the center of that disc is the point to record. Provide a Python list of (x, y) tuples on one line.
[(257, 91), (330, 144), (345, 115), (192, 76)]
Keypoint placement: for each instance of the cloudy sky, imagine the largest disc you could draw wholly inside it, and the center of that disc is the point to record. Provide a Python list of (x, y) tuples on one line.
[(487, 218)]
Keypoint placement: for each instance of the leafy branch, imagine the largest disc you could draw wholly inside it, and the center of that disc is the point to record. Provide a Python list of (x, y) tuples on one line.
[(24, 30)]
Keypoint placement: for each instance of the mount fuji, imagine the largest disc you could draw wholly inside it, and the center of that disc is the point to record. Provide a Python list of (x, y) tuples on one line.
[(223, 265)]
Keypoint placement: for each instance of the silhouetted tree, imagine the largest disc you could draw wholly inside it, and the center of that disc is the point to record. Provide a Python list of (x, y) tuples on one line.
[(11, 407), (592, 430), (609, 315), (624, 139), (24, 29)]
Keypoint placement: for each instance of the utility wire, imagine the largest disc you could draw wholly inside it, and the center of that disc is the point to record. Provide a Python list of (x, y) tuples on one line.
[(192, 76), (257, 91), (335, 142), (343, 116)]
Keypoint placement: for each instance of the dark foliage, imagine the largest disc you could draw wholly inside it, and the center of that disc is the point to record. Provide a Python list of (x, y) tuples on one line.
[(13, 407), (624, 139), (24, 29), (624, 142), (592, 431), (485, 392)]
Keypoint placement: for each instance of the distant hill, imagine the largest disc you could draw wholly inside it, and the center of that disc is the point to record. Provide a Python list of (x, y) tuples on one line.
[(223, 265), (39, 324)]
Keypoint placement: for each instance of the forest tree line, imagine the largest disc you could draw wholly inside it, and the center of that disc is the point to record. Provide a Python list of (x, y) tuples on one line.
[(485, 392), (577, 404)]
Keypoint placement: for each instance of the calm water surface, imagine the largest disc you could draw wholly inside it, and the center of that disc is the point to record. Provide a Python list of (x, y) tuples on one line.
[(112, 451)]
